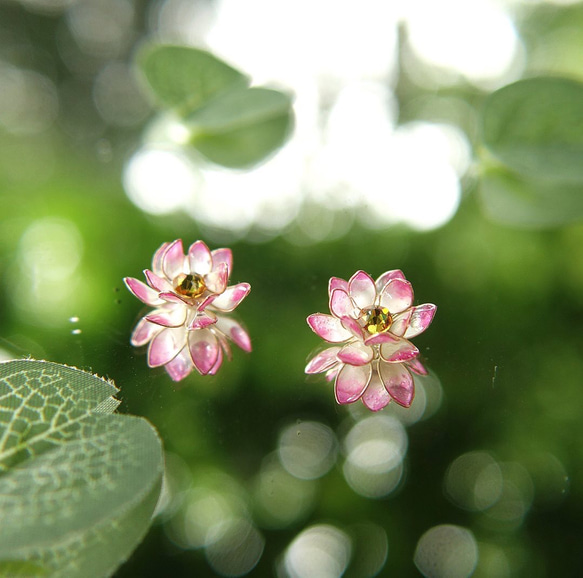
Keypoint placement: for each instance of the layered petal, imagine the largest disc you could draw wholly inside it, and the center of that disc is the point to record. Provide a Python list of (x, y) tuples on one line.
[(356, 353), (341, 305), (158, 259), (160, 284), (204, 349), (387, 276), (144, 293), (202, 320), (234, 331), (397, 295), (200, 260), (323, 361), (401, 322), (222, 256), (362, 289), (180, 366), (351, 382), (416, 366), (217, 364), (169, 316), (337, 283), (328, 328), (173, 260), (144, 332), (166, 345), (352, 326), (231, 297), (398, 382), (421, 318), (216, 281), (398, 351), (376, 396)]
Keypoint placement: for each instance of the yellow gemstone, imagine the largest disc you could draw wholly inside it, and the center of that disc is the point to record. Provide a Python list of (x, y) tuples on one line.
[(377, 319), (189, 285)]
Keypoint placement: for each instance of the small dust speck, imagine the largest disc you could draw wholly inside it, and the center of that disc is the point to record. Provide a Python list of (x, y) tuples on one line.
[(74, 319), (76, 331)]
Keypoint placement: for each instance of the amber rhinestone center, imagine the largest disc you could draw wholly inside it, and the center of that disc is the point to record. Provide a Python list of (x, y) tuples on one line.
[(191, 285), (376, 319)]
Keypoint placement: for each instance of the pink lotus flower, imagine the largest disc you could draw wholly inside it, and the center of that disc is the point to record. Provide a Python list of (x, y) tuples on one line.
[(187, 328), (373, 321)]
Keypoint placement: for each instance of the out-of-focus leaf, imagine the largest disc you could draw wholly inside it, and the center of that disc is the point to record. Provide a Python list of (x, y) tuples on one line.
[(535, 126), (78, 484), (513, 200), (185, 78), (21, 569), (241, 127)]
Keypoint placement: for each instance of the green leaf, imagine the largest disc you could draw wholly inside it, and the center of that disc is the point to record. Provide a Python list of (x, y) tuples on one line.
[(184, 78), (78, 484), (535, 126), (242, 127), (21, 569), (513, 200)]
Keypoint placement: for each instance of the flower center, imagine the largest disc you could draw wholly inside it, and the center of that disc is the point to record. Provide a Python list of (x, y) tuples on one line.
[(189, 285), (376, 319)]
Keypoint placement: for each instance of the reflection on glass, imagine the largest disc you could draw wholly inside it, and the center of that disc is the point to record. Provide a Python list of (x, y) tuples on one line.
[(446, 551)]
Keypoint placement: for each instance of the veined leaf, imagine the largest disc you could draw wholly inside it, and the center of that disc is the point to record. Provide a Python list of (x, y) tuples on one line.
[(535, 127), (184, 78), (78, 483)]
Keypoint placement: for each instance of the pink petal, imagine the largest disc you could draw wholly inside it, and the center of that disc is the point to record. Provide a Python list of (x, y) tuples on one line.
[(199, 258), (222, 256), (173, 298), (376, 396), (173, 260), (401, 322), (328, 328), (202, 320), (397, 295), (398, 382), (217, 364), (206, 302), (144, 293), (333, 372), (398, 351), (235, 331), (166, 346), (416, 366), (421, 318), (169, 317), (232, 296), (180, 366), (387, 276), (204, 350), (337, 283), (217, 280), (362, 289), (158, 283), (144, 332), (379, 338), (356, 353), (323, 361), (225, 344), (352, 326), (351, 382), (158, 259), (341, 305)]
